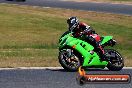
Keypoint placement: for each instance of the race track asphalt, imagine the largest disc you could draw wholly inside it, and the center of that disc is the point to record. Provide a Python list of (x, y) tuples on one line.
[(53, 78), (89, 6)]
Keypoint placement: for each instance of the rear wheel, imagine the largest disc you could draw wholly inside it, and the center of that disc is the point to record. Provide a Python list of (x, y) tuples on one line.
[(116, 61), (69, 60)]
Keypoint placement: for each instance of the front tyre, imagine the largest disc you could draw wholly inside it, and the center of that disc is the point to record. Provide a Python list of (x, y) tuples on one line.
[(69, 60), (116, 61)]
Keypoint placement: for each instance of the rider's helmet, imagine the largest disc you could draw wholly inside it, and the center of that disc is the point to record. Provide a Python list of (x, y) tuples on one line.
[(73, 23)]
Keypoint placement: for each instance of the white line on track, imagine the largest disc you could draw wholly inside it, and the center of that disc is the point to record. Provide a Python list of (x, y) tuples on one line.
[(29, 5), (31, 68), (43, 68)]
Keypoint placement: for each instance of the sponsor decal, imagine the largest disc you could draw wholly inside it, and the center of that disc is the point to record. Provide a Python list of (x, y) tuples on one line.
[(83, 78)]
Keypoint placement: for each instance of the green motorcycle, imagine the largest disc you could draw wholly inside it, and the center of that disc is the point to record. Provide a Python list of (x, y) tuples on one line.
[(74, 53)]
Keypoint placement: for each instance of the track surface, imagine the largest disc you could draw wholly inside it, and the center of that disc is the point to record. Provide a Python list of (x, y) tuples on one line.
[(52, 78), (100, 7)]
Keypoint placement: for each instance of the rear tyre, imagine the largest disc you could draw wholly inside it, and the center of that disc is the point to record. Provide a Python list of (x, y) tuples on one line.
[(116, 61), (69, 62)]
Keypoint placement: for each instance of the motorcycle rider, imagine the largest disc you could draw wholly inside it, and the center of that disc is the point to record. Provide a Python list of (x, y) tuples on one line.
[(85, 32)]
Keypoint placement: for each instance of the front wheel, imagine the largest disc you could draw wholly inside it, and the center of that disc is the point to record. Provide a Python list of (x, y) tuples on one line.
[(116, 61), (69, 60)]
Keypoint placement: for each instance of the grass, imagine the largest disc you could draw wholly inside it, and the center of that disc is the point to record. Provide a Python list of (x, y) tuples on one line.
[(29, 35), (120, 0), (28, 57)]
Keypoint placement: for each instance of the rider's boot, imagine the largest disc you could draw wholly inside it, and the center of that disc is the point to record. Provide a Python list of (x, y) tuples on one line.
[(101, 53)]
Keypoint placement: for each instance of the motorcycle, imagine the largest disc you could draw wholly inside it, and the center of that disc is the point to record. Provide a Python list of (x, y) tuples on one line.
[(74, 53)]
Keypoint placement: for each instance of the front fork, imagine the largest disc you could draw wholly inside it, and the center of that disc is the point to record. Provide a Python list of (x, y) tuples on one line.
[(70, 52), (70, 55)]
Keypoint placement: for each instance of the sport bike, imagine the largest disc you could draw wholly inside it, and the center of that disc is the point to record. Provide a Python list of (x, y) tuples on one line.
[(74, 52)]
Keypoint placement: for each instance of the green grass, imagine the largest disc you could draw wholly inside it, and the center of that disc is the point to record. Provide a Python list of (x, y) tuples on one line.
[(29, 36), (121, 0), (28, 57)]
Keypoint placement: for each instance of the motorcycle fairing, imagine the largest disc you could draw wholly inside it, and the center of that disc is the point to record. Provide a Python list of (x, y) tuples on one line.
[(84, 49)]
